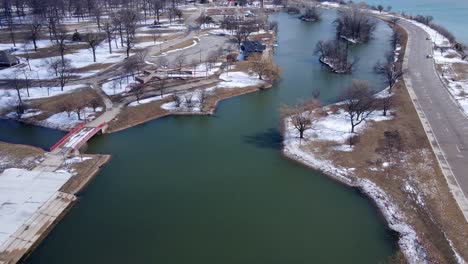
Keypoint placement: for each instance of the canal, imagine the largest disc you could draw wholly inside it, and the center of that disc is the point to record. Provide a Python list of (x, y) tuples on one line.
[(216, 189)]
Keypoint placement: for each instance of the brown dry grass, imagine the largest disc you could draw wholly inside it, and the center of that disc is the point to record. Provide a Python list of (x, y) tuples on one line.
[(86, 170), (180, 45), (135, 115), (18, 156), (439, 217), (53, 51), (93, 67), (462, 71), (51, 105)]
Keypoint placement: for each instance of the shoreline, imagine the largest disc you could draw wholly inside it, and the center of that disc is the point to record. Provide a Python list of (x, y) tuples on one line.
[(31, 231), (409, 242), (211, 110)]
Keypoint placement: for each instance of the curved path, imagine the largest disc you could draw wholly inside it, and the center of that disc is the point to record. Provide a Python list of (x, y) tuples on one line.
[(445, 125)]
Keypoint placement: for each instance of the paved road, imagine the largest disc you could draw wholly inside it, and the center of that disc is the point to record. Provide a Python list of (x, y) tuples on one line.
[(449, 125)]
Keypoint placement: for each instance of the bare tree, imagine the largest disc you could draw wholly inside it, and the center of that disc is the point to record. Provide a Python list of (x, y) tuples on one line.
[(311, 14), (97, 12), (117, 22), (80, 103), (359, 102), (158, 6), (202, 96), (334, 54), (61, 37), (162, 85), (203, 19), (300, 116), (66, 106), (94, 103), (354, 25), (140, 60), (263, 67), (179, 60), (162, 62), (34, 28), (11, 26), (93, 39), (189, 100), (177, 100), (110, 29), (65, 72), (380, 8), (386, 102), (243, 33), (389, 70), (137, 89), (129, 20), (18, 85), (53, 65)]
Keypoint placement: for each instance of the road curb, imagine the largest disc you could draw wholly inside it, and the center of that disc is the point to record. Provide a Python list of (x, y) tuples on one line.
[(450, 178)]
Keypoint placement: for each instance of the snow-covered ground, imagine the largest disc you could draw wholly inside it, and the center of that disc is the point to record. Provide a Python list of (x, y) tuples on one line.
[(149, 100), (238, 80), (8, 97), (64, 122), (221, 31), (184, 106), (336, 127), (118, 85), (22, 193), (194, 43), (79, 59)]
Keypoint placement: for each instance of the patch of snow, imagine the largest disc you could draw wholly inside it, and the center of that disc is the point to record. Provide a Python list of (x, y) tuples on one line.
[(74, 160), (8, 97), (64, 122), (149, 100), (117, 85), (238, 80), (22, 193), (336, 127)]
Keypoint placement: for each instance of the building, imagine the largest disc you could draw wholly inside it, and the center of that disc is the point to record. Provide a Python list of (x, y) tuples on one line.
[(7, 60), (251, 46)]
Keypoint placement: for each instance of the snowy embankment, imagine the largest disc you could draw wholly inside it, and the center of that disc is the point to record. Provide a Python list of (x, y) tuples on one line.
[(336, 127), (238, 80), (457, 82), (330, 64), (65, 121), (232, 33), (149, 100), (192, 101), (9, 97)]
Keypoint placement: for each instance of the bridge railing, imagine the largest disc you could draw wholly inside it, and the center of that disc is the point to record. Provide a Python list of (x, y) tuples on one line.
[(71, 132), (89, 135)]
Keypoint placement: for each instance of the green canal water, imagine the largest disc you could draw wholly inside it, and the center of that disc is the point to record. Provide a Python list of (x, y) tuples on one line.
[(216, 189)]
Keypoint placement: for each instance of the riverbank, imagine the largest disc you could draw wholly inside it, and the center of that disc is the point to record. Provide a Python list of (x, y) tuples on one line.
[(406, 185), (32, 214)]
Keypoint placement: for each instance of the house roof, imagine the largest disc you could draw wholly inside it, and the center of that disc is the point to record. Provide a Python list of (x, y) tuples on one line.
[(7, 58), (250, 46)]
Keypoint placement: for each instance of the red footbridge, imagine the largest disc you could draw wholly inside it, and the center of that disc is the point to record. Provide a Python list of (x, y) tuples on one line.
[(77, 137)]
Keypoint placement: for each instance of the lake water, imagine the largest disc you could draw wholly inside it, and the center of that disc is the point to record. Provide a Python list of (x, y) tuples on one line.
[(452, 14), (216, 189)]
